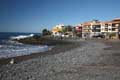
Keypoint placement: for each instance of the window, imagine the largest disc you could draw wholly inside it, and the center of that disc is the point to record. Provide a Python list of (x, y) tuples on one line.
[(109, 24), (106, 29), (106, 25), (113, 29), (96, 28), (113, 25)]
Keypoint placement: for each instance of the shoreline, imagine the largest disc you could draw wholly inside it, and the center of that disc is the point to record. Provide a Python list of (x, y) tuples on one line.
[(86, 60), (55, 50)]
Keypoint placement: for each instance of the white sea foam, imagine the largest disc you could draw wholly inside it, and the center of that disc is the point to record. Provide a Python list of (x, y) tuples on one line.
[(10, 48), (22, 36), (13, 51), (0, 46)]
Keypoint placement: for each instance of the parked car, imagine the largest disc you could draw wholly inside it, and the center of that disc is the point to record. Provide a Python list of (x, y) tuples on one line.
[(99, 36)]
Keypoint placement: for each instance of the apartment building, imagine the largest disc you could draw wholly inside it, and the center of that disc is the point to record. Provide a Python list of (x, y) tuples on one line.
[(109, 29), (86, 30), (91, 28)]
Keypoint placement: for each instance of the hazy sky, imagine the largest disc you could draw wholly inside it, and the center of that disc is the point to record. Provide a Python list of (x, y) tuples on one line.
[(34, 15)]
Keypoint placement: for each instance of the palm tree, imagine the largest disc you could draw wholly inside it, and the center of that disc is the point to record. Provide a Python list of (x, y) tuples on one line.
[(45, 32)]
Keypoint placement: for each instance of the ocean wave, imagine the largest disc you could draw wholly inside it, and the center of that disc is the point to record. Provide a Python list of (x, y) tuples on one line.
[(0, 46), (11, 48), (12, 51), (21, 36), (18, 50), (11, 42)]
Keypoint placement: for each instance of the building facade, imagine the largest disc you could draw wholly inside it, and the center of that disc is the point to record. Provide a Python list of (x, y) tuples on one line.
[(78, 30), (57, 30), (90, 29), (109, 29)]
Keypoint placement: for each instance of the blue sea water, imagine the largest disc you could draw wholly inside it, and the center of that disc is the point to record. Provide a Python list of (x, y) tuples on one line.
[(10, 48)]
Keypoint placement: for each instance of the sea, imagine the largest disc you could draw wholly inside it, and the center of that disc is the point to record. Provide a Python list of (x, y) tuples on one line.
[(10, 48)]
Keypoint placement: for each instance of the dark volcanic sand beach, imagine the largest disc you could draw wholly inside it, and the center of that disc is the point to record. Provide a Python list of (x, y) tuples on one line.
[(59, 47), (86, 60)]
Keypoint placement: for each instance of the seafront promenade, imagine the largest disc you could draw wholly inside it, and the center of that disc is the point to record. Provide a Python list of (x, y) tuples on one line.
[(91, 60)]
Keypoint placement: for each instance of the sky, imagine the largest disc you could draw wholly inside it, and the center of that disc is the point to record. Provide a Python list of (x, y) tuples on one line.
[(35, 15)]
